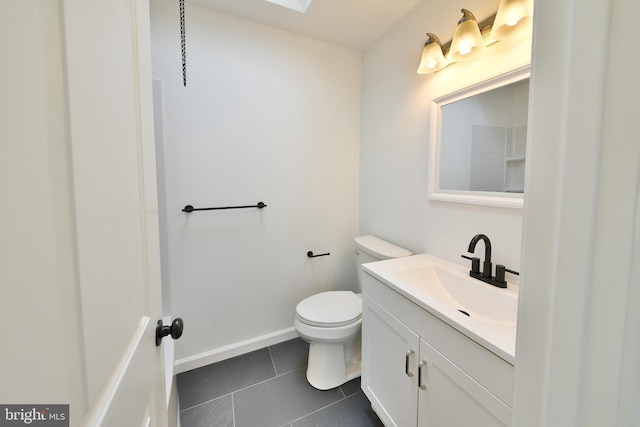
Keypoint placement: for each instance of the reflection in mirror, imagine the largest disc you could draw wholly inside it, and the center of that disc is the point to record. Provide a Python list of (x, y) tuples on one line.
[(483, 141), (478, 142)]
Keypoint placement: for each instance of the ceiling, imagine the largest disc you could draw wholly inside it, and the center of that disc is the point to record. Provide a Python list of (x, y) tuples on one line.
[(354, 24)]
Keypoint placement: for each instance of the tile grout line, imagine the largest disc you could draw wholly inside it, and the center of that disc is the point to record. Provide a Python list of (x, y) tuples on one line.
[(320, 409), (261, 382), (273, 363), (304, 416), (207, 401), (293, 370), (275, 375), (233, 410), (240, 389)]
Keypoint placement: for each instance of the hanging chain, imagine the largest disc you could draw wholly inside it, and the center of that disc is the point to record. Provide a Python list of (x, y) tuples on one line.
[(183, 45)]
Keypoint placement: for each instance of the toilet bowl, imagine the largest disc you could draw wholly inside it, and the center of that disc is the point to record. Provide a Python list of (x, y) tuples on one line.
[(331, 322)]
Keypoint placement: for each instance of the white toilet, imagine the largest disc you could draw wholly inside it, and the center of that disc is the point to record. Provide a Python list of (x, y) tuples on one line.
[(330, 321)]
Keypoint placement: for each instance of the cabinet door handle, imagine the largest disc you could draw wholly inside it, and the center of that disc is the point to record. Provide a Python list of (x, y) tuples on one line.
[(406, 363), (420, 365)]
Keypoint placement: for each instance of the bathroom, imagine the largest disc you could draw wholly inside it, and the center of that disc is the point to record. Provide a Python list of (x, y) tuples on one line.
[(334, 139), (311, 130), (326, 176)]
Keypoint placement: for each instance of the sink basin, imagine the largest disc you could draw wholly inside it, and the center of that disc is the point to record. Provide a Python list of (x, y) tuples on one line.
[(484, 313), (461, 292)]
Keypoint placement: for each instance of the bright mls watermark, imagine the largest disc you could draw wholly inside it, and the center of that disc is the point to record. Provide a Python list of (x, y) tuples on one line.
[(34, 415)]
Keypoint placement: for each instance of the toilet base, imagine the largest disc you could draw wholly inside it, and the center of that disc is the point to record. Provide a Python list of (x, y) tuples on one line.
[(333, 364)]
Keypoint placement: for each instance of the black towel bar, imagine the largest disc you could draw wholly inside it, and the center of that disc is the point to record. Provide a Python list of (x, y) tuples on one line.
[(190, 208)]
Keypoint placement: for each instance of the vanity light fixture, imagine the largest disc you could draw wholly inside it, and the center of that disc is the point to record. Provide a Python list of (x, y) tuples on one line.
[(432, 58), (469, 35), (510, 13), (466, 38)]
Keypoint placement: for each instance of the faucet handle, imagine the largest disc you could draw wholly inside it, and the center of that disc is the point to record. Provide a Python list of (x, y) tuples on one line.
[(500, 270), (511, 271), (475, 264)]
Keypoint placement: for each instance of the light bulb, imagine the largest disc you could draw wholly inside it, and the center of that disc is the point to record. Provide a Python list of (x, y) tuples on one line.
[(511, 13), (432, 59), (466, 38)]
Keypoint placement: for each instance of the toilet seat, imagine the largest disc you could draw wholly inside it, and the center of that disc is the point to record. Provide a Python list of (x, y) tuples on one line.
[(330, 309)]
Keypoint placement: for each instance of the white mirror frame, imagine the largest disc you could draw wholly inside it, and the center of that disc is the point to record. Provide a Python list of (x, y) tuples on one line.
[(507, 200)]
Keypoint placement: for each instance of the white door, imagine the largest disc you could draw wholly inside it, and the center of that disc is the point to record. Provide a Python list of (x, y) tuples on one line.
[(80, 265)]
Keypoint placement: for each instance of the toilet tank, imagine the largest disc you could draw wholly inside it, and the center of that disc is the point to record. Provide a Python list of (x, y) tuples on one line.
[(370, 248)]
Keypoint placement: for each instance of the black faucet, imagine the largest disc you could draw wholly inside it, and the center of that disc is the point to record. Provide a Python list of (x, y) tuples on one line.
[(486, 265), (486, 275)]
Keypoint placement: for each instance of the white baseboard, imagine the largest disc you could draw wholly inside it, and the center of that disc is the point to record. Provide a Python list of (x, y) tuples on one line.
[(232, 350)]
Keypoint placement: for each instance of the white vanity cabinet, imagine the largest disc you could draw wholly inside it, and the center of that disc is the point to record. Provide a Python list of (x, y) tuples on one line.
[(390, 352), (419, 371)]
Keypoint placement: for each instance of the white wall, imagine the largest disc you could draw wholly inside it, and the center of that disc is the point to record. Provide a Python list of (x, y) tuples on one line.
[(395, 139), (579, 324), (266, 116)]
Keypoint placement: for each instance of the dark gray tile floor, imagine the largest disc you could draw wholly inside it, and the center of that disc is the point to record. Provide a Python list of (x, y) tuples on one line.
[(268, 388)]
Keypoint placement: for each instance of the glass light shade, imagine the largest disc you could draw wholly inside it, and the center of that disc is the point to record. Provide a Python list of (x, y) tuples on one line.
[(432, 59), (467, 39), (510, 14)]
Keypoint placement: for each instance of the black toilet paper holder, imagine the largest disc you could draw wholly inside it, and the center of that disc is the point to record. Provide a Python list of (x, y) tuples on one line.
[(311, 255)]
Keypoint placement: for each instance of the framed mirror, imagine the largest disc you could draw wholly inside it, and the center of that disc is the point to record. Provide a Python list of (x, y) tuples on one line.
[(478, 142)]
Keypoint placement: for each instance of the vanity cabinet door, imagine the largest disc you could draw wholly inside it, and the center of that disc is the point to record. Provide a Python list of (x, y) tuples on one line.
[(449, 397), (390, 353)]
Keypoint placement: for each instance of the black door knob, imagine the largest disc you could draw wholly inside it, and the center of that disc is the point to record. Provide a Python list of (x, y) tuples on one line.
[(175, 330)]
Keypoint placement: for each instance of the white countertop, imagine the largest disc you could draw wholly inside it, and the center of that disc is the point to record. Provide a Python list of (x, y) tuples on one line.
[(493, 310)]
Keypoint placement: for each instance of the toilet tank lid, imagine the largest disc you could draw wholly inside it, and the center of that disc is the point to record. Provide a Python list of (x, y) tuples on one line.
[(380, 248)]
